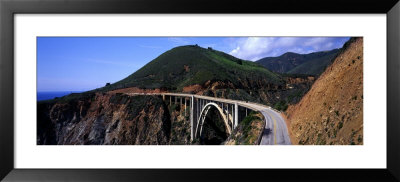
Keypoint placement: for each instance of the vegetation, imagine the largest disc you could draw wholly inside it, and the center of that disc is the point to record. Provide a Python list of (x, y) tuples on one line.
[(316, 65), (281, 105), (248, 130)]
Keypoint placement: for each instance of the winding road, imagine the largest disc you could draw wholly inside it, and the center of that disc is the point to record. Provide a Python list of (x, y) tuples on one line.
[(275, 131)]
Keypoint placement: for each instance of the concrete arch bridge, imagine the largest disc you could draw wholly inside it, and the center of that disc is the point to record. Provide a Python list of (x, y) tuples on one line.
[(231, 111)]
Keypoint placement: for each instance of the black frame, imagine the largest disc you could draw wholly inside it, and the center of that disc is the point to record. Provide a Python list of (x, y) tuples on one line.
[(8, 8)]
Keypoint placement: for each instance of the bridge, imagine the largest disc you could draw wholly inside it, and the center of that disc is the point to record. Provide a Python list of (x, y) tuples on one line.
[(231, 111)]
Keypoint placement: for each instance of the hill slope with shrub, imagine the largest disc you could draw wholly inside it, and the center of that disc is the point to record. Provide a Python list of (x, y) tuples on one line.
[(332, 111)]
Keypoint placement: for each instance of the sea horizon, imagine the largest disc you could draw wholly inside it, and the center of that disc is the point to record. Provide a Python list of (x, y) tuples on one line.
[(46, 95)]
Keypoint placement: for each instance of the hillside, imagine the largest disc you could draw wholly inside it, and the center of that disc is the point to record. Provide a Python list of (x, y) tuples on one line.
[(189, 65), (317, 65), (332, 111), (293, 63)]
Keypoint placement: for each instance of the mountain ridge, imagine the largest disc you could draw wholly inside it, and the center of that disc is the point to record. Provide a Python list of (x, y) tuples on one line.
[(294, 63)]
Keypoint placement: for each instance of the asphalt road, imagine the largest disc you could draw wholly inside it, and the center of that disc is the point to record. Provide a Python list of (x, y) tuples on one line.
[(275, 131)]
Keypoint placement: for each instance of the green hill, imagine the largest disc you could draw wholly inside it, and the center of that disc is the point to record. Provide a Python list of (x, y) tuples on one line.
[(283, 63), (317, 65), (293, 63), (188, 65)]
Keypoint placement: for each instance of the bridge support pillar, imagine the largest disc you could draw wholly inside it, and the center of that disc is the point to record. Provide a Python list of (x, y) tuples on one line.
[(236, 115), (197, 108), (232, 119), (191, 118), (201, 106), (226, 111), (185, 106)]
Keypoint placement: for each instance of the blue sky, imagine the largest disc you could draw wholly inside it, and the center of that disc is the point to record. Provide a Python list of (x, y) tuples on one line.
[(85, 63)]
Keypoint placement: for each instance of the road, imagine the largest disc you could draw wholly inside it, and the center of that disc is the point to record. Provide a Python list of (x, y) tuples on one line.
[(277, 127), (275, 132)]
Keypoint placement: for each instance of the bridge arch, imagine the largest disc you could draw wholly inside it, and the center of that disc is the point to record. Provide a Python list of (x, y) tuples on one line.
[(203, 114)]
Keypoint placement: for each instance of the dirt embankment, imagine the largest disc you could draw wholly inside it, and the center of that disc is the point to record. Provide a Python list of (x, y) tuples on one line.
[(332, 111)]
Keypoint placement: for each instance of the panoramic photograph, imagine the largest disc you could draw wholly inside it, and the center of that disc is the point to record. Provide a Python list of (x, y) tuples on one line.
[(199, 91)]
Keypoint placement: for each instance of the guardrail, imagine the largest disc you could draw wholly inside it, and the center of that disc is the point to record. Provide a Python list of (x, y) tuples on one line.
[(240, 102), (262, 131)]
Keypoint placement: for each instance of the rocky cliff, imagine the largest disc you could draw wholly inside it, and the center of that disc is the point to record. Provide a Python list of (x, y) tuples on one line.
[(332, 111), (111, 118)]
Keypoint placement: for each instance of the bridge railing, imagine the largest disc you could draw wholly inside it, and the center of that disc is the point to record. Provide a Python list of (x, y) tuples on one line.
[(262, 131), (241, 103)]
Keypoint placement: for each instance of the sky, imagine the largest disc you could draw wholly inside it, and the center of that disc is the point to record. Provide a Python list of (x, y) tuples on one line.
[(86, 63)]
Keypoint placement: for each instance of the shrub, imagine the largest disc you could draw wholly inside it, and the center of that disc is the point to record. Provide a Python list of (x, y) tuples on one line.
[(337, 113), (281, 106), (340, 125)]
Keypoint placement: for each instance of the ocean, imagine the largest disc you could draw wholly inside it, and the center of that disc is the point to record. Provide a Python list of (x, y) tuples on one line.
[(52, 95)]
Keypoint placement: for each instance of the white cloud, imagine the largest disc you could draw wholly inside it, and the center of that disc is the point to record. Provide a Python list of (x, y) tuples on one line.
[(254, 48)]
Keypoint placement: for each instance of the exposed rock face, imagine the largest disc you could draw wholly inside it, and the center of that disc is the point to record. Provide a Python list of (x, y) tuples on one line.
[(193, 89), (300, 80), (110, 119), (332, 111), (180, 125)]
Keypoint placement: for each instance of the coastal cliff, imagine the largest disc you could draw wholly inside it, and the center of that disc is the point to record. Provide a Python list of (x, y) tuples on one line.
[(107, 118)]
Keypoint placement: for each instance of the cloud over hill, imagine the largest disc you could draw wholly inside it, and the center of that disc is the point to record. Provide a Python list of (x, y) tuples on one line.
[(254, 48)]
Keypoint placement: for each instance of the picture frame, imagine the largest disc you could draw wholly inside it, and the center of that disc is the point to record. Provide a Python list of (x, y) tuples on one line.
[(9, 8)]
